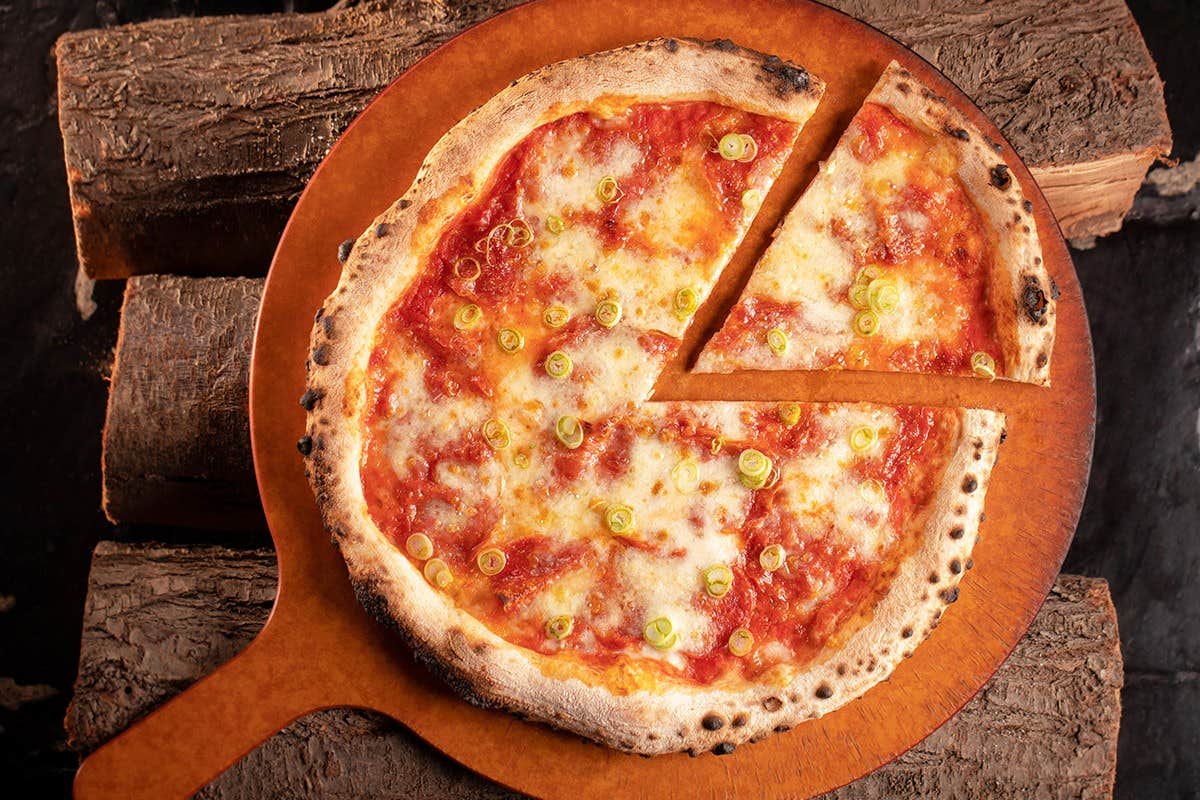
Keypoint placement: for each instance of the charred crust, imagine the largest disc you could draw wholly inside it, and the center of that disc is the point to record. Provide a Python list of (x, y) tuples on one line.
[(671, 45), (403, 204), (772, 704), (970, 484), (1054, 293), (786, 78), (903, 88), (907, 633), (1028, 206), (320, 355), (949, 595), (724, 45), (955, 566), (1000, 177), (724, 749), (305, 445), (934, 577), (327, 326), (740, 720), (1003, 435), (712, 722), (958, 133), (782, 728), (970, 563), (310, 398), (344, 250), (382, 229), (320, 313), (1033, 299), (824, 691), (841, 669), (1042, 360)]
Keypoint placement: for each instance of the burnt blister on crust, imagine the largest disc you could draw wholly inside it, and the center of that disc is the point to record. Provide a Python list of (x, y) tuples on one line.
[(1034, 301), (713, 722), (724, 748), (305, 445), (958, 133), (824, 691), (344, 250), (320, 355), (786, 78), (382, 230), (671, 45), (310, 398), (970, 484), (1000, 176), (949, 596)]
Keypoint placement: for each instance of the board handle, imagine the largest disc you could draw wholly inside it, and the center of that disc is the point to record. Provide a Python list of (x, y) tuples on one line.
[(179, 748)]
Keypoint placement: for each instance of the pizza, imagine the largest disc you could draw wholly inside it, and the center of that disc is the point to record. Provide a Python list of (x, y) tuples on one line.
[(484, 449), (913, 250)]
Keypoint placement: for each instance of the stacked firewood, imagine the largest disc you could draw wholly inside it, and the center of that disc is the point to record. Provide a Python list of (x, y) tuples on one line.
[(188, 141)]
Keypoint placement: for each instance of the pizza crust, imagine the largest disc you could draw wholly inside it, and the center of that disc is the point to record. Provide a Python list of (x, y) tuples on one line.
[(1023, 292)]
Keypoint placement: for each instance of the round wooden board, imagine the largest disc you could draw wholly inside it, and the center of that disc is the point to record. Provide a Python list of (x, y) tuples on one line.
[(320, 649)]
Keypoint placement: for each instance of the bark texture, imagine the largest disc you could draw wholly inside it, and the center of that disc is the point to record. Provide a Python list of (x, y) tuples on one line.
[(177, 432), (157, 618), (187, 141)]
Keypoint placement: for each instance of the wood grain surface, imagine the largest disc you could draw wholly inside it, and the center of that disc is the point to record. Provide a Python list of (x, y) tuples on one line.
[(187, 141), (158, 618)]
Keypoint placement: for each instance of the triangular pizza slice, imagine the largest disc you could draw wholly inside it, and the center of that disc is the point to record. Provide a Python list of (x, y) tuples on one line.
[(912, 250)]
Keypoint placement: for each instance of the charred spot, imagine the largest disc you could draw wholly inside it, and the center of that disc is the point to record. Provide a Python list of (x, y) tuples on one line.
[(1034, 299), (1054, 293), (310, 398), (970, 484), (671, 45), (824, 691), (782, 728), (713, 722), (978, 457), (903, 87), (787, 78), (1000, 177), (740, 720), (406, 203), (958, 133), (305, 445), (320, 356), (1025, 229), (934, 577), (955, 566), (381, 230), (772, 704), (1028, 206), (344, 250), (724, 45), (1042, 360), (724, 749), (970, 563), (693, 753), (949, 595), (841, 669), (1003, 435), (320, 313), (907, 633), (327, 326)]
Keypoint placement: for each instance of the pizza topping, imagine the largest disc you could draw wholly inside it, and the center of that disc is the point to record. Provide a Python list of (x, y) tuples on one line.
[(660, 633), (438, 573), (491, 561), (496, 434), (737, 147), (510, 340), (467, 268), (882, 296), (863, 438), (772, 557), (559, 364), (467, 316), (866, 323), (555, 224), (777, 340), (984, 366), (687, 300), (790, 413), (608, 191), (569, 431), (751, 200), (755, 469), (872, 491), (620, 519), (560, 627), (419, 546), (556, 316), (608, 312), (717, 580), (741, 642), (686, 476)]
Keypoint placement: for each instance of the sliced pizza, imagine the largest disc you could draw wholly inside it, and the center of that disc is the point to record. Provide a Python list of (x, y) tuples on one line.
[(912, 250)]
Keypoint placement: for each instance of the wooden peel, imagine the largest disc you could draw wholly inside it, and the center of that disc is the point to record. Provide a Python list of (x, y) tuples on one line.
[(319, 648)]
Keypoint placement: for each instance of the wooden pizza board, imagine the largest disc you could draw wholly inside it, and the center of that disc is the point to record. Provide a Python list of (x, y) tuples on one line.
[(319, 648)]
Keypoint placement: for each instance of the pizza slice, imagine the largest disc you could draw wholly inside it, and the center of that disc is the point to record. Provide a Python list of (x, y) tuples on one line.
[(912, 250)]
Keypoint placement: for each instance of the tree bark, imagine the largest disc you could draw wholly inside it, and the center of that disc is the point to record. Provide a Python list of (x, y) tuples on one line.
[(177, 433), (187, 141), (157, 618)]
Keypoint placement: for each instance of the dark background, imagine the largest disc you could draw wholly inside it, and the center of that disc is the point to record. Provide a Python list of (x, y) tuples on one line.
[(1141, 521)]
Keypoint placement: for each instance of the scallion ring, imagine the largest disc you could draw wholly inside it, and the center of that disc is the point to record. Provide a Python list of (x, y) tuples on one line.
[(741, 642), (560, 627), (491, 561), (467, 317), (732, 146), (687, 300), (686, 476), (556, 316), (772, 557), (510, 340), (467, 268), (521, 460), (777, 340), (716, 445), (519, 233), (872, 491), (866, 323), (559, 365), (859, 295), (619, 519), (789, 414), (717, 580), (863, 438), (882, 296), (984, 366), (608, 190), (555, 224), (749, 148), (754, 463), (495, 433), (569, 431), (608, 312), (419, 546), (660, 633), (752, 200), (438, 573)]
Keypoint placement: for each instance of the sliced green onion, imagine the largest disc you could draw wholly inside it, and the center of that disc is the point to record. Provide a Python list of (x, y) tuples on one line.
[(716, 445), (620, 519), (859, 295), (872, 491), (491, 561), (608, 312), (741, 642), (789, 413), (467, 316), (772, 557), (984, 366), (419, 546), (754, 482), (467, 268), (496, 434), (560, 627), (559, 364), (866, 323), (687, 300), (438, 573), (752, 200), (750, 148), (863, 438), (868, 274), (732, 146), (777, 340), (556, 316), (686, 476), (608, 191), (510, 339), (569, 431), (660, 633), (717, 580), (555, 224), (521, 460), (882, 296), (519, 233), (754, 463)]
